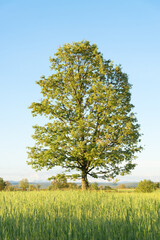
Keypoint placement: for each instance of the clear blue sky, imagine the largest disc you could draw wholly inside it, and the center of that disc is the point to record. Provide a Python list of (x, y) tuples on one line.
[(127, 32)]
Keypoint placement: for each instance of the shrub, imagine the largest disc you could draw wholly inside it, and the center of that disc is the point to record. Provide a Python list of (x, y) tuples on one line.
[(145, 186)]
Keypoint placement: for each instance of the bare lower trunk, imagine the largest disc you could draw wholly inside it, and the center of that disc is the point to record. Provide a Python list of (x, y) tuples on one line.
[(84, 181)]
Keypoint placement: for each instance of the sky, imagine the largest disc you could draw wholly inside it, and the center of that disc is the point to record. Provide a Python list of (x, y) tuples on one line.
[(127, 32)]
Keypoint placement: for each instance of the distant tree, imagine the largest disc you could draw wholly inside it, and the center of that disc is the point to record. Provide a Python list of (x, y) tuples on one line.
[(38, 186), (157, 184), (121, 186), (93, 186), (2, 184), (10, 188), (59, 181), (146, 186), (107, 188), (24, 184), (50, 187), (7, 185), (92, 128), (72, 186), (101, 187), (31, 187)]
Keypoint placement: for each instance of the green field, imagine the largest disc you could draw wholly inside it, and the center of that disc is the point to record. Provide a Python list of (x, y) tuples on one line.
[(71, 215)]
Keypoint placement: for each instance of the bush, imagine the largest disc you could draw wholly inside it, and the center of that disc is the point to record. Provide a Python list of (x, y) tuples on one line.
[(145, 186)]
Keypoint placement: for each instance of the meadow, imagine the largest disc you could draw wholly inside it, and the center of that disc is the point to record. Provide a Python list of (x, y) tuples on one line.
[(77, 215)]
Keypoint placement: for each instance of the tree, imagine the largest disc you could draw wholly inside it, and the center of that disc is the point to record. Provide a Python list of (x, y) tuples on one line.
[(59, 181), (146, 186), (91, 126), (38, 186), (107, 188), (93, 186), (24, 184), (10, 188), (157, 184), (121, 186), (31, 187), (2, 184), (101, 187), (7, 185)]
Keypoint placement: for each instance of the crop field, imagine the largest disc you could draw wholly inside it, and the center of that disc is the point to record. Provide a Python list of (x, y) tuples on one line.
[(76, 215)]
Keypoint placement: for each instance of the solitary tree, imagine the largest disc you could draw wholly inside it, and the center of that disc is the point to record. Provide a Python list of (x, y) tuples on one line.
[(24, 184), (91, 126), (146, 186)]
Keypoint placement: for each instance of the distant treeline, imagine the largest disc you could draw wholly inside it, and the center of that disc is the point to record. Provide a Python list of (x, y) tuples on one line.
[(60, 182)]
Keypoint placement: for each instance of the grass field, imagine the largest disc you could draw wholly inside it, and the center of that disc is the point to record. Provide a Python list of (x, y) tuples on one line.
[(76, 215)]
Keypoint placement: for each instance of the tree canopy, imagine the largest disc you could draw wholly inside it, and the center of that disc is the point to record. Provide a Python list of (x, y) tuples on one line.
[(91, 126), (24, 184), (146, 186), (2, 184)]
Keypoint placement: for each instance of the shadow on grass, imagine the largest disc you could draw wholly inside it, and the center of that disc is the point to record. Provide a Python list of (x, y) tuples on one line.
[(43, 227)]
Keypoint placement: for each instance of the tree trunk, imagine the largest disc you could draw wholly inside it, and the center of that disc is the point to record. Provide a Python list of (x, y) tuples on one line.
[(85, 184)]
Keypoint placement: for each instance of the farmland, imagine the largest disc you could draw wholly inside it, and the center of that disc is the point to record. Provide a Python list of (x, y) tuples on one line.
[(71, 215)]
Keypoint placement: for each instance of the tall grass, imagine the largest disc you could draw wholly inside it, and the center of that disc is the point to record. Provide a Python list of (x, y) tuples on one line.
[(75, 215)]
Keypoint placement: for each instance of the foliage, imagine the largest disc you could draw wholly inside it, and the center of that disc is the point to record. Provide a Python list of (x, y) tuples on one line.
[(93, 186), (7, 184), (59, 181), (38, 186), (101, 187), (107, 188), (121, 186), (61, 178), (91, 128), (146, 186), (73, 186), (24, 184), (31, 187), (157, 184), (10, 188), (76, 215), (2, 184)]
